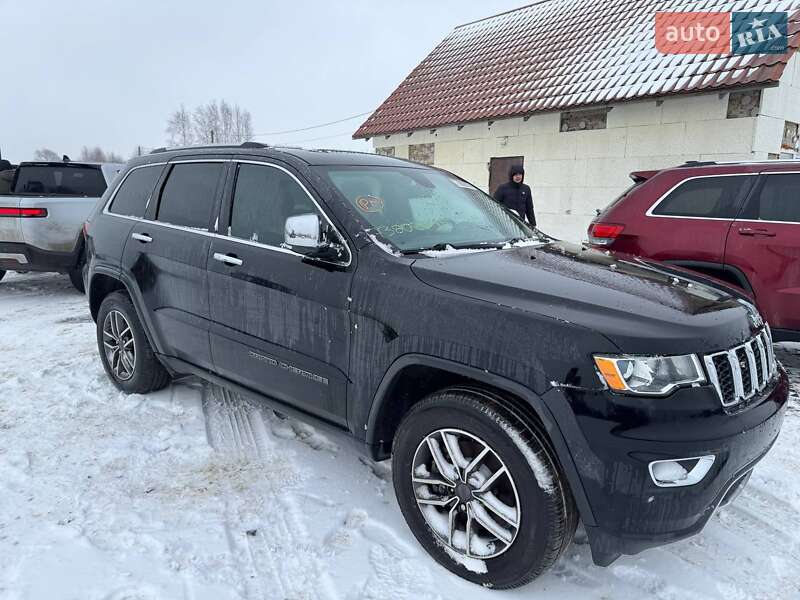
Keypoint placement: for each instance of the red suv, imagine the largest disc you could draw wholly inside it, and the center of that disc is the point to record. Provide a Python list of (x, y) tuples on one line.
[(738, 222)]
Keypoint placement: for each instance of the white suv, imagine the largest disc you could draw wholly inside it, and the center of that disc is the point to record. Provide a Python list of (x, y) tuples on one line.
[(42, 216)]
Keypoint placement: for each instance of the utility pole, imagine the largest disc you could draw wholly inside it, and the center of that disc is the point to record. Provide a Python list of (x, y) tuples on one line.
[(212, 136)]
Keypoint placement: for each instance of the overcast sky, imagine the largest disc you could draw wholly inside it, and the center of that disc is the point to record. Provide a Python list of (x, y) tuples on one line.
[(109, 74)]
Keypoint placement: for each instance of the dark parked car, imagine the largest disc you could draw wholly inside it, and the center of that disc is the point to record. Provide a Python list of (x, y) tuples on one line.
[(739, 222), (517, 383)]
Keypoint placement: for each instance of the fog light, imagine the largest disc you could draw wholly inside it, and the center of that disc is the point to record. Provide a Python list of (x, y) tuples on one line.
[(680, 472)]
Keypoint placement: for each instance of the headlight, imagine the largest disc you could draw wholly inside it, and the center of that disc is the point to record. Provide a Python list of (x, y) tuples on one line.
[(654, 375)]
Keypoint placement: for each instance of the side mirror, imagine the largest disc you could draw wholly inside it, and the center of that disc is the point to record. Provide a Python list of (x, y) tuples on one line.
[(305, 234), (303, 231)]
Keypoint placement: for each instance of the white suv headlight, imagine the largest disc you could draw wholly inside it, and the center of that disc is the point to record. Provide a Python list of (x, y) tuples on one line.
[(649, 375)]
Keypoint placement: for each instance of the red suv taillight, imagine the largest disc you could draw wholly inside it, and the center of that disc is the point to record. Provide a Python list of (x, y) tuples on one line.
[(604, 234), (22, 212)]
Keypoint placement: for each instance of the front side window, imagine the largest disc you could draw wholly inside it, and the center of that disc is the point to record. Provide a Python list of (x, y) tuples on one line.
[(705, 197), (421, 209), (132, 196), (264, 197), (778, 200), (60, 180), (189, 193)]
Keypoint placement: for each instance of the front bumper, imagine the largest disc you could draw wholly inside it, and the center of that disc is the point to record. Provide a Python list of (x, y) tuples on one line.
[(612, 439)]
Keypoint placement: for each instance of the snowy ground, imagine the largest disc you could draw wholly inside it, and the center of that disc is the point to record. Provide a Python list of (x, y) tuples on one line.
[(193, 493)]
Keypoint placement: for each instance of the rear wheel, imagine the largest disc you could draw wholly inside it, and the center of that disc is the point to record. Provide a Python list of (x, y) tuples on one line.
[(76, 277), (124, 349), (480, 489)]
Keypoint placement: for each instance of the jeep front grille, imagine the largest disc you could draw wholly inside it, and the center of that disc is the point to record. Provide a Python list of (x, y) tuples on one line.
[(740, 373)]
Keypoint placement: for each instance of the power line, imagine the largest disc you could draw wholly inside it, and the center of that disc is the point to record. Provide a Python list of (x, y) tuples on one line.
[(316, 139), (314, 126)]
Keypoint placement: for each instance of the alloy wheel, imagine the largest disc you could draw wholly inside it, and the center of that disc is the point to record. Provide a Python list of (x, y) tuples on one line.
[(466, 493), (119, 345)]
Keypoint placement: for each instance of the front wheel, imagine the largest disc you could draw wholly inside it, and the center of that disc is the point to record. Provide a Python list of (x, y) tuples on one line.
[(127, 357), (480, 489)]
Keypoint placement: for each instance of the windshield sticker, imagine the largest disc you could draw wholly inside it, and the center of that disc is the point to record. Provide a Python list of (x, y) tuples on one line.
[(369, 204)]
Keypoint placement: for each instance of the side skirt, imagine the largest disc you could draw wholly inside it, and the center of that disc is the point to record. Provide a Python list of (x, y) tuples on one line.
[(180, 368)]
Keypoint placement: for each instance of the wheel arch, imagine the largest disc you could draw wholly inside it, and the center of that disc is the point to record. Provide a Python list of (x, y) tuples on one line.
[(412, 377), (724, 272), (104, 282)]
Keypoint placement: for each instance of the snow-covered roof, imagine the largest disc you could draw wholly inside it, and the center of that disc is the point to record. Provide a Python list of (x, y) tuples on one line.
[(560, 54)]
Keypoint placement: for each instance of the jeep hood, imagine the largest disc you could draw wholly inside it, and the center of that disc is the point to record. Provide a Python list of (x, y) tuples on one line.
[(643, 307)]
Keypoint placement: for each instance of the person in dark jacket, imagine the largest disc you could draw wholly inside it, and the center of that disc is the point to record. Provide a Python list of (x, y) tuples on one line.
[(516, 195)]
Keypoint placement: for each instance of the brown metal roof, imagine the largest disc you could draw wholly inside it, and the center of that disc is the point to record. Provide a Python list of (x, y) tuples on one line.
[(560, 54)]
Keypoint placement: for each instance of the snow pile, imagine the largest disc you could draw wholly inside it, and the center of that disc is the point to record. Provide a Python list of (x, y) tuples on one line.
[(383, 245), (450, 251)]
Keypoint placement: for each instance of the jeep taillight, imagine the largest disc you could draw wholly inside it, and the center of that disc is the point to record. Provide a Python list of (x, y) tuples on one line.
[(22, 212), (604, 234)]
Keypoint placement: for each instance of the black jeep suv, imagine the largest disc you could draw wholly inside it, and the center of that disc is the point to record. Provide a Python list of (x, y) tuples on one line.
[(518, 383)]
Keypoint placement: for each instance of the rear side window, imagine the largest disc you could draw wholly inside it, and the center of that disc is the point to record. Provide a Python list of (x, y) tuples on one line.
[(778, 200), (132, 196), (264, 198), (60, 180), (705, 197), (623, 195), (189, 193)]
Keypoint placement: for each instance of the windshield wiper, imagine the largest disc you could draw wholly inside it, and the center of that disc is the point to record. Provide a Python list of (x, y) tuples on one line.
[(436, 247), (444, 246), (532, 238)]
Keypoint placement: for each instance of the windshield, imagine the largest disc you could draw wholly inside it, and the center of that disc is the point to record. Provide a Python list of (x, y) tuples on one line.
[(423, 209)]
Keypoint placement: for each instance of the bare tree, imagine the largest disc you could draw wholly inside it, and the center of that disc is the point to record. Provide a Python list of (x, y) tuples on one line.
[(179, 128), (211, 123), (97, 154), (242, 125), (45, 154), (206, 122)]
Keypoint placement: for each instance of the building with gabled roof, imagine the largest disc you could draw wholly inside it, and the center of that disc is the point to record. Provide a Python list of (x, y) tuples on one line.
[(580, 94)]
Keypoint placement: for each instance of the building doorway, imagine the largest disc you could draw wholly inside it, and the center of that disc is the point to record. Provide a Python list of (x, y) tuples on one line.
[(498, 170)]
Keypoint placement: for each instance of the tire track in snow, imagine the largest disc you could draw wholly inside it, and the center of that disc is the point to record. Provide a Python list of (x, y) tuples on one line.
[(273, 547)]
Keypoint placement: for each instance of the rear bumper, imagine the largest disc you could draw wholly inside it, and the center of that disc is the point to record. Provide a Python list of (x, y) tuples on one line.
[(24, 257), (611, 453)]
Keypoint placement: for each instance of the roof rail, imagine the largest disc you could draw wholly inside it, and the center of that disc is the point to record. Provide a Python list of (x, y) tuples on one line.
[(220, 146), (698, 163)]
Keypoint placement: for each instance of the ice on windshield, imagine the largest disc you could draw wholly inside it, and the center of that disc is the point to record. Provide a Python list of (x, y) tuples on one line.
[(424, 209)]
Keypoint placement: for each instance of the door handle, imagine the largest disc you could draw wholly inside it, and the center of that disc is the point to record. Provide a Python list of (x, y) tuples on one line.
[(228, 259), (753, 232), (142, 237)]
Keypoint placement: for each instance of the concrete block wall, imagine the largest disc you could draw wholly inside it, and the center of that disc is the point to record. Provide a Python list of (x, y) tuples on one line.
[(574, 173), (778, 105)]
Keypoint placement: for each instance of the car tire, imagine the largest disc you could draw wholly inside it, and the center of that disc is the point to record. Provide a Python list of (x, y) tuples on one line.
[(135, 369), (527, 488)]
